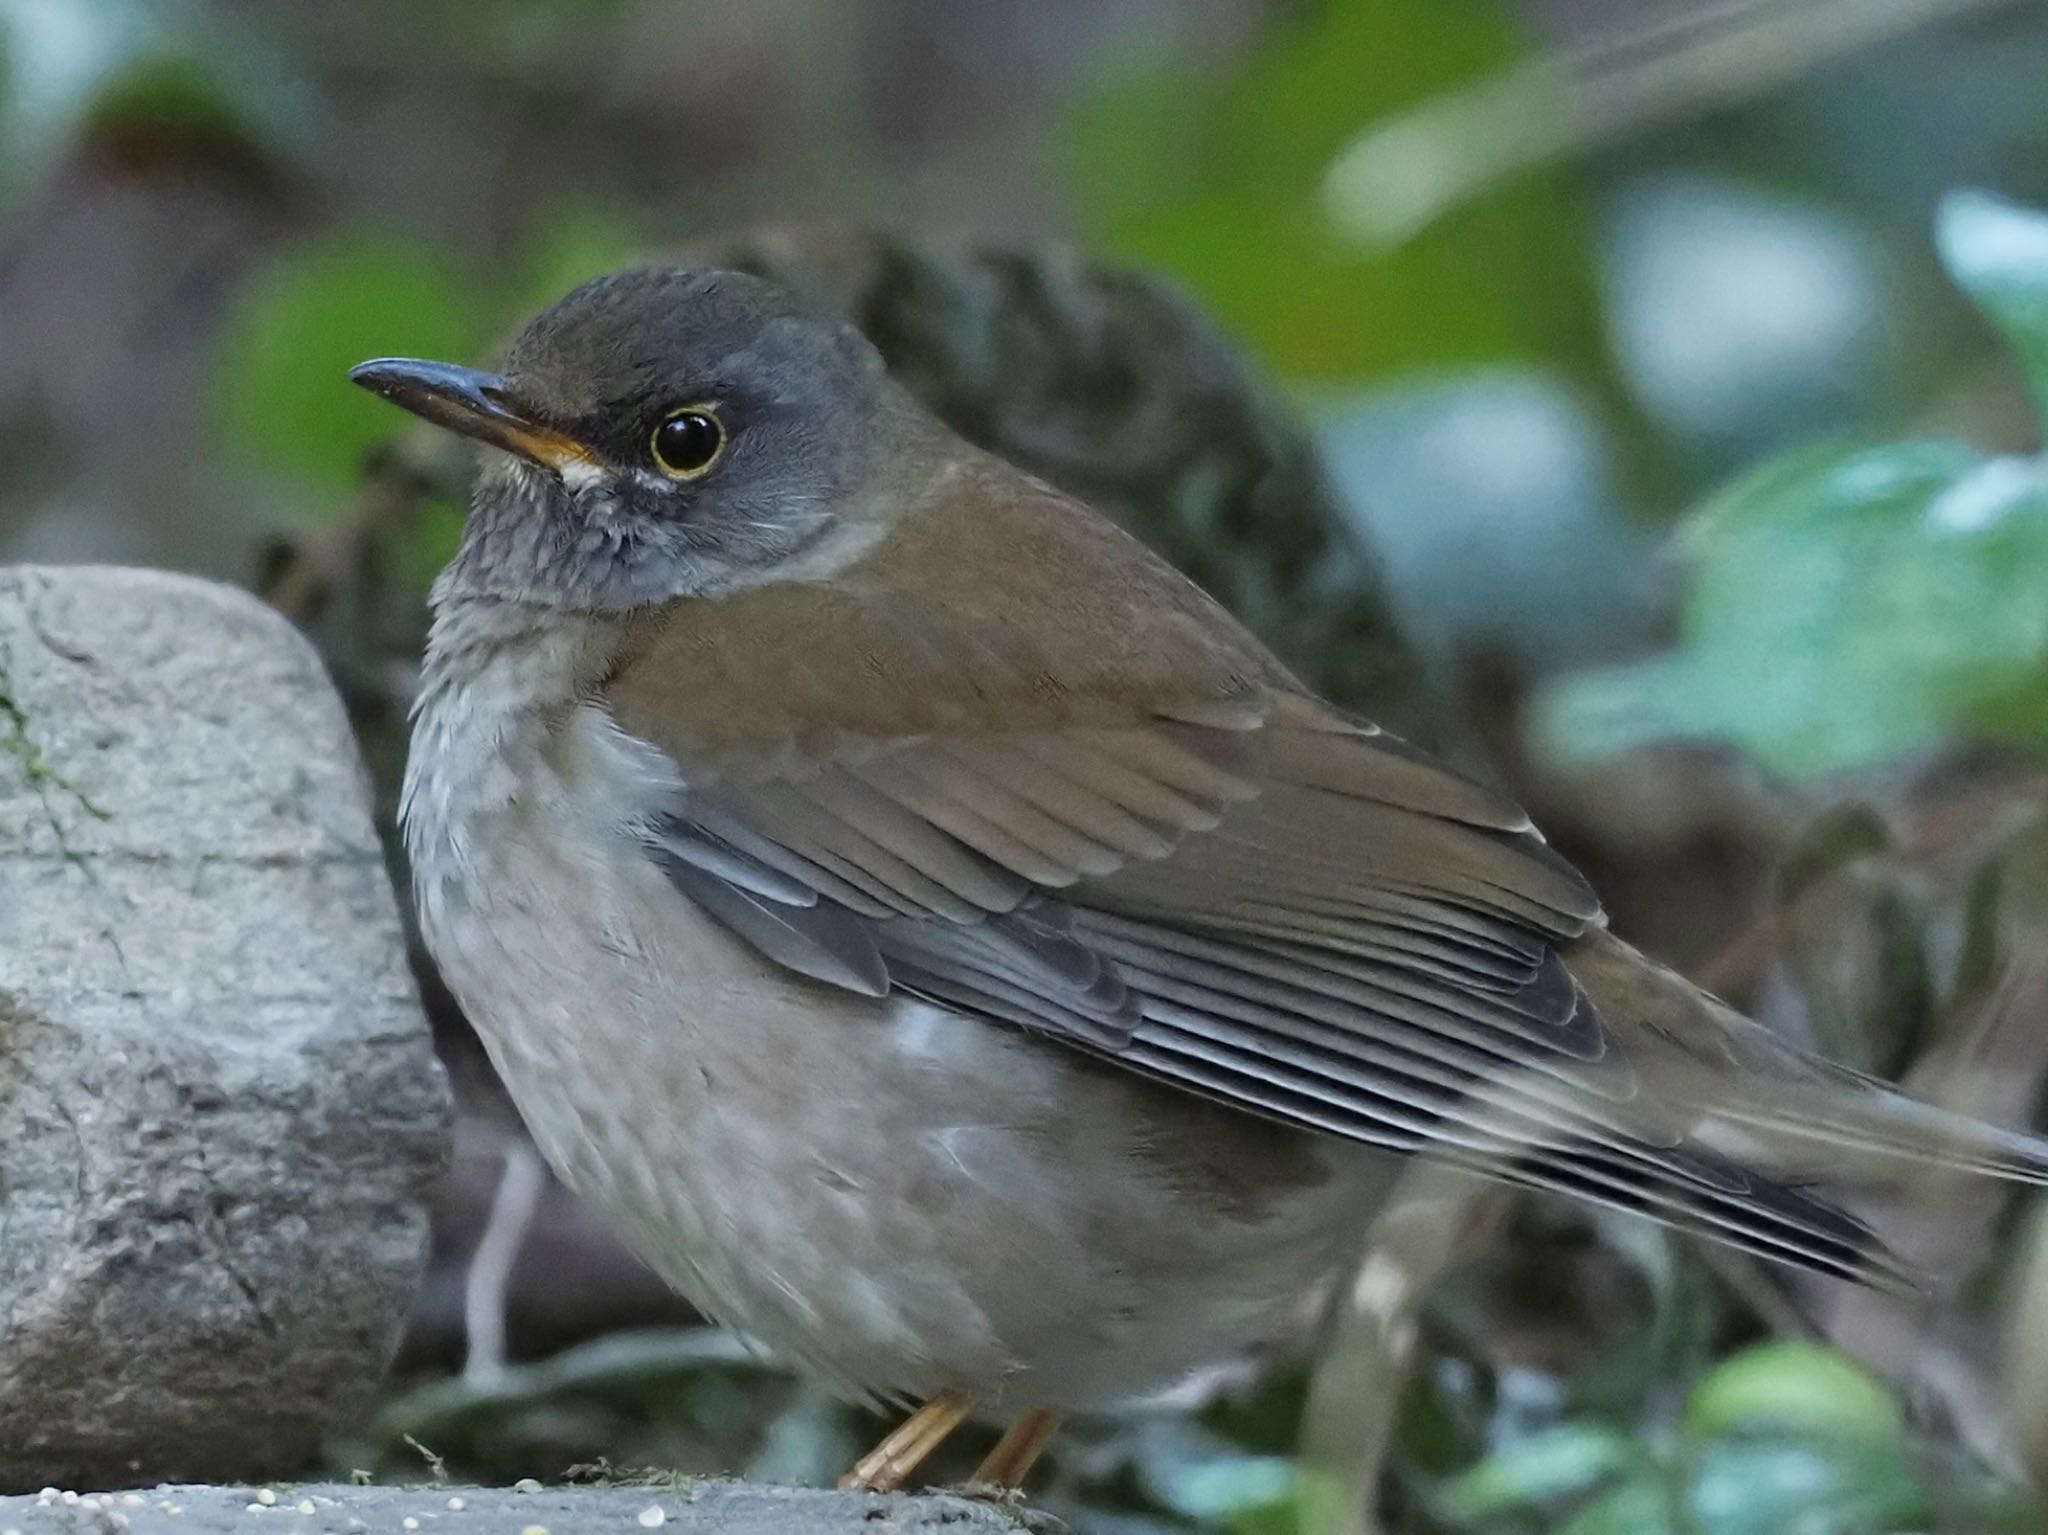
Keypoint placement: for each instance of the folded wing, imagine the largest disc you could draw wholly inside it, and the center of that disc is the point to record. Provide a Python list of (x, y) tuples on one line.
[(1015, 766)]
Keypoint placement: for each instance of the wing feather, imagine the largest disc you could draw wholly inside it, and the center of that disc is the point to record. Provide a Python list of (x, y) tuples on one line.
[(1086, 803)]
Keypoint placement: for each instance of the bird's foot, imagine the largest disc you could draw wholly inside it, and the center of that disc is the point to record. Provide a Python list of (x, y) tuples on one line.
[(984, 1491), (891, 1463)]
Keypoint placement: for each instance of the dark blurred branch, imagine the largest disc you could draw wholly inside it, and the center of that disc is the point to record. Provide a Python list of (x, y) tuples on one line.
[(411, 472), (1437, 1217), (2026, 1328), (490, 1270), (1402, 174)]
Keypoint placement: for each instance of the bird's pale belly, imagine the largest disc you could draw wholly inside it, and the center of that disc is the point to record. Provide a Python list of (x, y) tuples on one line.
[(890, 1196)]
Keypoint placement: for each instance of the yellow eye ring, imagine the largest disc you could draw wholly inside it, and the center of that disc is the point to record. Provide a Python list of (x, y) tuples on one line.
[(688, 442)]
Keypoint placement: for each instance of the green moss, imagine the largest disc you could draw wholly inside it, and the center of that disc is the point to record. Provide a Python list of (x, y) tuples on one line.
[(36, 767), (678, 1484)]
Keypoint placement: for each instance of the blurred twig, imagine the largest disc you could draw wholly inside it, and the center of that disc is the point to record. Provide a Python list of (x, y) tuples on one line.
[(647, 1360), (1403, 173), (1355, 1397), (2026, 1326), (412, 471), (1986, 1058), (490, 1269)]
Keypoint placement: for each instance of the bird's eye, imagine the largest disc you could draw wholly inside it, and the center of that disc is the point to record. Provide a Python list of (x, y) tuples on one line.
[(688, 442)]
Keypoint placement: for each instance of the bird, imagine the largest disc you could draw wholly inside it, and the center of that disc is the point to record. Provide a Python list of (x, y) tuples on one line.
[(954, 952)]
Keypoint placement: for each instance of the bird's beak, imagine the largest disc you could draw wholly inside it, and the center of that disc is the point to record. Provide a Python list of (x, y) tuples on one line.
[(470, 402)]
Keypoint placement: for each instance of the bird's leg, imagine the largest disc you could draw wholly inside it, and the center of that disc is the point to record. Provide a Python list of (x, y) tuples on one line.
[(1016, 1453), (889, 1464)]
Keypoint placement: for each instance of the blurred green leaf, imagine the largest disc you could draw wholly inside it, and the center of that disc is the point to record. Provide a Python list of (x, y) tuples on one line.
[(75, 66), (1641, 1507), (285, 402), (1997, 252), (1218, 182), (1194, 1473), (1785, 1438), (1846, 605), (1798, 1385), (1566, 1462), (1818, 1486)]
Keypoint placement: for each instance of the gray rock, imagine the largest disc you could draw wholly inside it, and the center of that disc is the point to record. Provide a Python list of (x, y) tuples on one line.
[(219, 1106), (726, 1508)]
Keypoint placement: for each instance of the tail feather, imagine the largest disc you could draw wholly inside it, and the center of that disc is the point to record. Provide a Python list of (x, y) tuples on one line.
[(1783, 1222), (1881, 1134), (1790, 1122)]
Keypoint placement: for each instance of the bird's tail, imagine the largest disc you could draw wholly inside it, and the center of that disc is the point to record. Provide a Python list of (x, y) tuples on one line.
[(1774, 1109), (1743, 1138)]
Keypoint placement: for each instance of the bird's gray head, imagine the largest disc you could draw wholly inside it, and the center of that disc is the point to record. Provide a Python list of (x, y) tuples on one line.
[(666, 432)]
